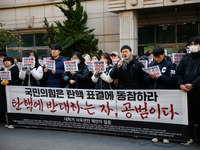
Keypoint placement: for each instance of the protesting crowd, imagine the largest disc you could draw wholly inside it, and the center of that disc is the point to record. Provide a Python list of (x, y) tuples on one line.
[(154, 70)]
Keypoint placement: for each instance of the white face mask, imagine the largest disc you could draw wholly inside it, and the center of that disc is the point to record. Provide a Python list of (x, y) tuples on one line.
[(194, 48), (77, 60)]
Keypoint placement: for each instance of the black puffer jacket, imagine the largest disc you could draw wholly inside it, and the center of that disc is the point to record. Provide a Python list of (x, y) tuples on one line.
[(188, 71), (81, 77), (14, 81), (132, 78), (168, 78)]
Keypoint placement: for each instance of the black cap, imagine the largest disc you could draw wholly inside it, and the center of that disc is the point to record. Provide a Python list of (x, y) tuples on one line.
[(3, 54)]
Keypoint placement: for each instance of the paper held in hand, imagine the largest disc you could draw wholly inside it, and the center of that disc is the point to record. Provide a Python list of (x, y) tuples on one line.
[(1, 63), (153, 70), (5, 75), (50, 64), (90, 65), (144, 62), (100, 65), (28, 62), (69, 65)]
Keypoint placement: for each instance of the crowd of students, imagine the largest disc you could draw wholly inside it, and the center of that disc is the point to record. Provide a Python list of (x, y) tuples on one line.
[(127, 73)]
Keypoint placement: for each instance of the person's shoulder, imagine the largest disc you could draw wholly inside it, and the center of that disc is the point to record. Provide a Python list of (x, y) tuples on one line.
[(62, 58)]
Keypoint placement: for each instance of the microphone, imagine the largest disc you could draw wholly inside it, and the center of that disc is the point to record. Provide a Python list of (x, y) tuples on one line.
[(122, 60)]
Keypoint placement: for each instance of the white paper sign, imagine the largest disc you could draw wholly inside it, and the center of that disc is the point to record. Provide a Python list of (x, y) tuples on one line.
[(69, 65), (153, 70), (50, 64), (19, 64), (5, 75), (41, 62), (46, 58), (150, 59), (144, 62), (28, 61), (1, 63), (90, 65), (100, 65), (114, 61), (176, 57)]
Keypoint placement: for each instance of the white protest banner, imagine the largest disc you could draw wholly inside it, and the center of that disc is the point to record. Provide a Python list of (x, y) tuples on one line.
[(50, 64), (100, 65), (170, 55), (41, 62), (5, 75), (1, 63), (69, 65), (176, 57), (28, 62), (188, 51), (90, 65), (46, 58), (114, 61), (150, 59), (153, 70), (144, 62), (19, 64), (147, 113)]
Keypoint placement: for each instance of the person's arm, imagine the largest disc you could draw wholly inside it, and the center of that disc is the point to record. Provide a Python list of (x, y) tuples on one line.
[(22, 74), (107, 78), (94, 78), (114, 72), (170, 77), (180, 73)]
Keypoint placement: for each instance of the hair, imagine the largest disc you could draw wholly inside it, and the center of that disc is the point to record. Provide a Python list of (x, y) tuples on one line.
[(107, 56), (9, 59), (87, 57), (183, 50), (158, 51), (196, 39), (3, 54), (82, 60), (56, 47), (126, 47), (36, 58), (18, 59), (95, 56), (149, 52)]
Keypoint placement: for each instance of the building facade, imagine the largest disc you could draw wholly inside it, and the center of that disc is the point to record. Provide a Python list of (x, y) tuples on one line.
[(142, 24)]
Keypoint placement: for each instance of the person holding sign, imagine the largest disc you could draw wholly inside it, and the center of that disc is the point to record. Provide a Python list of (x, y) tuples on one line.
[(30, 76), (103, 79), (188, 80), (77, 79), (54, 77), (165, 79), (9, 76), (128, 71)]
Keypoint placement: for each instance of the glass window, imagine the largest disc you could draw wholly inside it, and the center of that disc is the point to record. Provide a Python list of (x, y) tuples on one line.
[(143, 49), (39, 40), (185, 32), (12, 44), (25, 53), (28, 40), (165, 34), (146, 35), (42, 52), (13, 54)]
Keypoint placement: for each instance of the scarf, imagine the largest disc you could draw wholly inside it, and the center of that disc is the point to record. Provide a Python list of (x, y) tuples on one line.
[(126, 62)]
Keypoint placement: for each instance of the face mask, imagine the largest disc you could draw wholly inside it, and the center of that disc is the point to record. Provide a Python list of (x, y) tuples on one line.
[(194, 48), (78, 61)]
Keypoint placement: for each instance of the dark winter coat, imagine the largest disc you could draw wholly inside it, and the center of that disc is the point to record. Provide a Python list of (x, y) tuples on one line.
[(14, 81), (188, 71), (55, 80), (102, 78), (168, 78), (132, 78), (81, 77)]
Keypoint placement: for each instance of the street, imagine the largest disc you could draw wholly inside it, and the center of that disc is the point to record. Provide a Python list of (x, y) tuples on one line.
[(46, 139)]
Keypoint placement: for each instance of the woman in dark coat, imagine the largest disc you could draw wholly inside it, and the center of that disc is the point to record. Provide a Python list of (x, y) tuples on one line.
[(80, 78), (12, 67)]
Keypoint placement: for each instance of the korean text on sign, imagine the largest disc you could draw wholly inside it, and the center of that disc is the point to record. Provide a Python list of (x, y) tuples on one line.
[(50, 64), (71, 65), (153, 70), (28, 62), (100, 65), (5, 75)]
